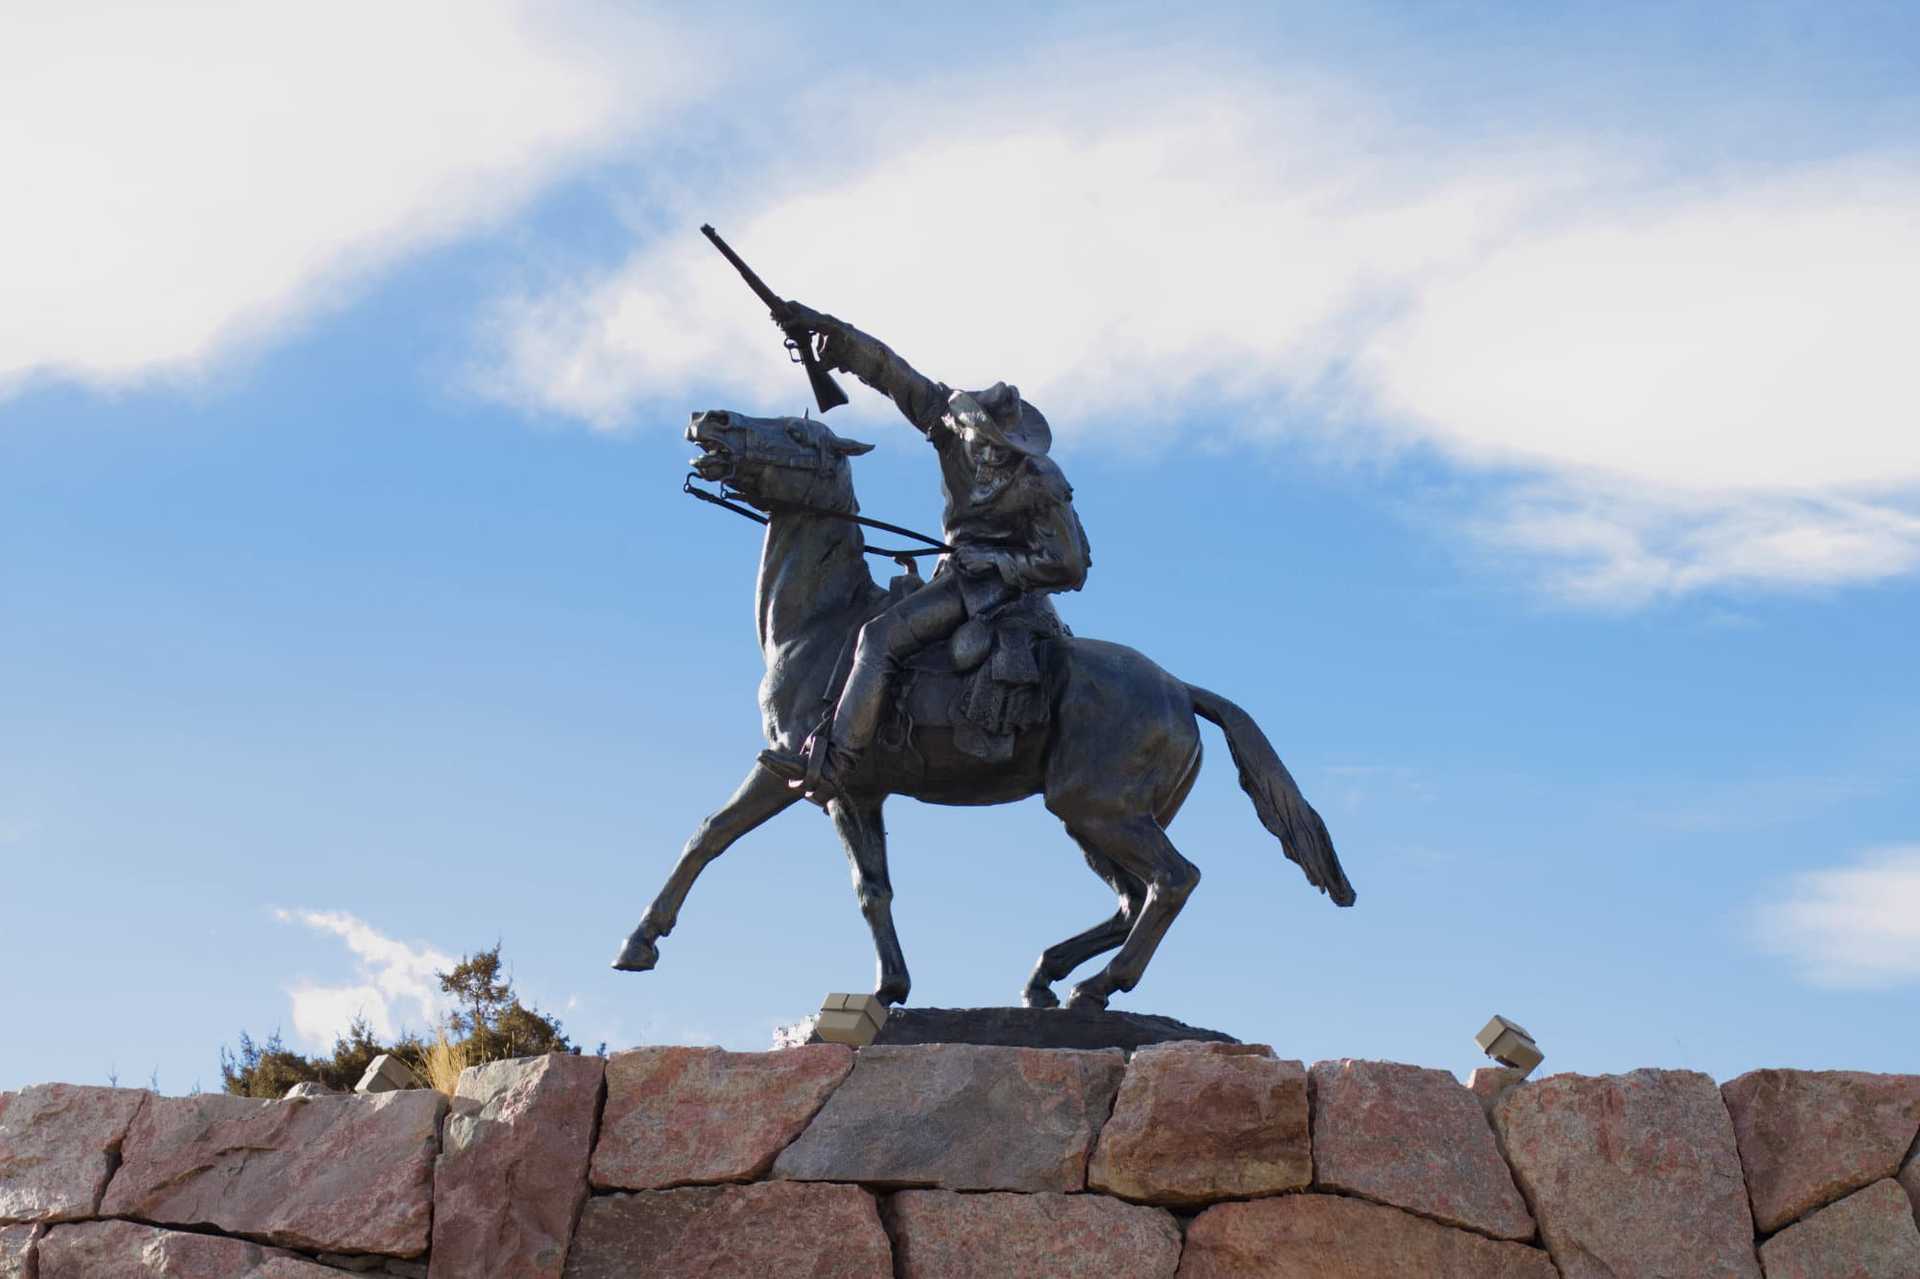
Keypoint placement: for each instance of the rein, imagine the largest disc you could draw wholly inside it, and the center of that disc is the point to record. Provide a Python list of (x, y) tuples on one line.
[(723, 500)]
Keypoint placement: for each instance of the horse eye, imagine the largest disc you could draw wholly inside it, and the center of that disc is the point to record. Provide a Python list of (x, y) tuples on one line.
[(797, 435)]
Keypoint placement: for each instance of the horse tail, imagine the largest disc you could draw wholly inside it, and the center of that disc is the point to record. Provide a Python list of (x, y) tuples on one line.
[(1276, 797)]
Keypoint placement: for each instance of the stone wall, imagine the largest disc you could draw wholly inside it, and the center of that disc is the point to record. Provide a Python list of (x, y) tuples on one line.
[(1194, 1160)]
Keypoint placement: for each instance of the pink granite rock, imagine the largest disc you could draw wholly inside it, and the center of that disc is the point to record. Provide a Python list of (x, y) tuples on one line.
[(124, 1250), (17, 1254), (333, 1174), (1910, 1178), (960, 1116), (1198, 1122), (1631, 1174), (941, 1234), (772, 1230), (1490, 1083), (1413, 1138), (58, 1143), (512, 1172), (1868, 1235), (1331, 1237), (1808, 1137), (685, 1116)]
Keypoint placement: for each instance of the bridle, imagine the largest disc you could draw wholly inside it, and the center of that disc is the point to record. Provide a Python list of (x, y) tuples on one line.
[(724, 499)]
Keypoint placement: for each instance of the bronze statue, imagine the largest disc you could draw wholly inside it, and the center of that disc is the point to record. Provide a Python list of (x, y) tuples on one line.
[(863, 700)]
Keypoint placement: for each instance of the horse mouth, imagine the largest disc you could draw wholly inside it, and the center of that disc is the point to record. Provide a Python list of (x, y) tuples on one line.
[(715, 461)]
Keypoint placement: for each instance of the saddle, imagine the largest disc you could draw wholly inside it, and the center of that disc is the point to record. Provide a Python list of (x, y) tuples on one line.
[(992, 680)]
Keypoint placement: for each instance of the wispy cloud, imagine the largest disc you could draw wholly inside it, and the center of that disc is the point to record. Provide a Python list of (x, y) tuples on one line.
[(1858, 925), (393, 983), (182, 179), (1677, 384)]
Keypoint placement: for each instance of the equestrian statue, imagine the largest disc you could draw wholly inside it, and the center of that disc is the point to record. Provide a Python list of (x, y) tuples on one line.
[(966, 688)]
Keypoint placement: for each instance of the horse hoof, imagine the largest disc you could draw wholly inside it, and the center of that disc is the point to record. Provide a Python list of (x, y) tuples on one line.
[(1084, 998), (891, 993), (1039, 997), (637, 956)]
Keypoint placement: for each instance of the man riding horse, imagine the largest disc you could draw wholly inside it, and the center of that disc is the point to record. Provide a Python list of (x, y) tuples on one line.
[(1009, 518)]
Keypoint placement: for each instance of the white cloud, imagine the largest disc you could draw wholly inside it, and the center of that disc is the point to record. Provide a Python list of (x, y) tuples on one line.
[(184, 177), (1678, 385), (393, 984), (1856, 926)]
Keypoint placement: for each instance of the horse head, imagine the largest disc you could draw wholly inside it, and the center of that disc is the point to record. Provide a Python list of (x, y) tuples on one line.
[(775, 462)]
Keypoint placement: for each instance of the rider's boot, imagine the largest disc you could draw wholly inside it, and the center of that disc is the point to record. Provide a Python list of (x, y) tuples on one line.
[(819, 769)]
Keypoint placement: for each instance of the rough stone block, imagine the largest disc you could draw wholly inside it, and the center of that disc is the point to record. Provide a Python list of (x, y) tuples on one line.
[(761, 1231), (941, 1234), (17, 1253), (1508, 1043), (334, 1174), (1330, 1237), (1414, 1138), (58, 1144), (512, 1172), (1808, 1137), (1632, 1174), (961, 1117), (387, 1073), (687, 1116), (1195, 1123), (850, 1019), (1868, 1235), (126, 1250)]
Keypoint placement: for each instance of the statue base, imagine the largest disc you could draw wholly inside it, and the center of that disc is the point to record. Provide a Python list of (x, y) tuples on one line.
[(1019, 1028)]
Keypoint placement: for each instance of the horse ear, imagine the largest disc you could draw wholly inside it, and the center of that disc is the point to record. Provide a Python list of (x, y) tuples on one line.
[(849, 448)]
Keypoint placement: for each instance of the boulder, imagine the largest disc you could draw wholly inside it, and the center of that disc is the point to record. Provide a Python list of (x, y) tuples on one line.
[(1910, 1178), (58, 1145), (1195, 1123), (687, 1116), (125, 1250), (961, 1117), (761, 1231), (334, 1174), (1808, 1137), (941, 1234), (1089, 1028), (512, 1171), (17, 1256), (1632, 1174), (1413, 1138), (1490, 1083), (1868, 1235), (309, 1088), (1331, 1237)]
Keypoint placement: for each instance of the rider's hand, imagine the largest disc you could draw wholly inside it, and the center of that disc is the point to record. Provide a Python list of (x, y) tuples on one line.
[(974, 562), (800, 316)]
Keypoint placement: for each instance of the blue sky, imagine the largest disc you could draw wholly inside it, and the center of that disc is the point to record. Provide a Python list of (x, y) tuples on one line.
[(1511, 408)]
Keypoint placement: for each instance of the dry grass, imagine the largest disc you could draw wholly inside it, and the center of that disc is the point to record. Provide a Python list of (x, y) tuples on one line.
[(442, 1063)]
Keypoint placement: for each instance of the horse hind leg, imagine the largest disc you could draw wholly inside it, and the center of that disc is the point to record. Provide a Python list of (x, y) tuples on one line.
[(865, 837), (1059, 960), (1139, 846)]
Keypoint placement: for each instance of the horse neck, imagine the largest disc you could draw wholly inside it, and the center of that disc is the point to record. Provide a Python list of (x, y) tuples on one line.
[(813, 575)]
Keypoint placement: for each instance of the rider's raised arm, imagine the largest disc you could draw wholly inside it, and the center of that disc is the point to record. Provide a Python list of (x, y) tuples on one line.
[(843, 347)]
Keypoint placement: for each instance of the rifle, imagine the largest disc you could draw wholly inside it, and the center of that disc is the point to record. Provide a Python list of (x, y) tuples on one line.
[(826, 392)]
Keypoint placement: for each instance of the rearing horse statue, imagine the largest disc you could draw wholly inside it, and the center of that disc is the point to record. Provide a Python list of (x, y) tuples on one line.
[(1114, 759)]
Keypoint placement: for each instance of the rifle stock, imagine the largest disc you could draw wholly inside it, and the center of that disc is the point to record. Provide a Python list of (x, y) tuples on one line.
[(826, 392)]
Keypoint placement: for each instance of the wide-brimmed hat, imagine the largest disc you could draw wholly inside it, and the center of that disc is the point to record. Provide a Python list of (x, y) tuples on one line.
[(1002, 416)]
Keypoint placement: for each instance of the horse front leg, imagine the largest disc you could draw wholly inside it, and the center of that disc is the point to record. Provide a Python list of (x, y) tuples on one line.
[(760, 797), (865, 837)]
